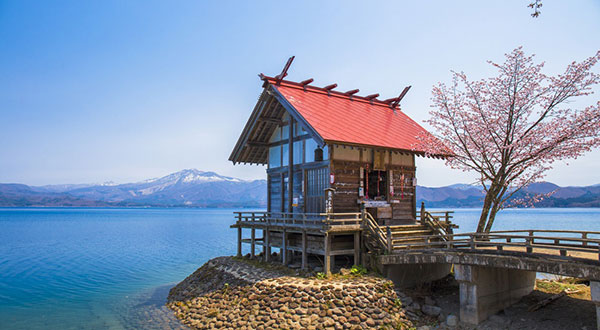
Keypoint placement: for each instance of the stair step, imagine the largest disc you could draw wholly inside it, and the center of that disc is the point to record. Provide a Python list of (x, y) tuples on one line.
[(406, 227), (406, 240), (423, 232), (412, 247)]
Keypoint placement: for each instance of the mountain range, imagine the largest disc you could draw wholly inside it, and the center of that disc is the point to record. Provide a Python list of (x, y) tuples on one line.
[(191, 188), (194, 188)]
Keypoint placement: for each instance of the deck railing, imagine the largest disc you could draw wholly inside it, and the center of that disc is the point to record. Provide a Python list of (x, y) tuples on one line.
[(309, 220)]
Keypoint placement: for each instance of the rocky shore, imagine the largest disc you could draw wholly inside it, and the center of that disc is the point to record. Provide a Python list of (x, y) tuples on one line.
[(242, 294)]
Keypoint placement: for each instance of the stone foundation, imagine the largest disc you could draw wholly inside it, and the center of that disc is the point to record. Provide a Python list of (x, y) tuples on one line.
[(280, 301)]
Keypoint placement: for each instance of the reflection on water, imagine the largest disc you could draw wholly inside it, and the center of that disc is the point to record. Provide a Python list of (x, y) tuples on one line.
[(112, 268)]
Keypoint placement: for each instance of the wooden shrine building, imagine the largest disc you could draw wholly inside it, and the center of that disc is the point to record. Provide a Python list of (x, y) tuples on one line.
[(333, 159)]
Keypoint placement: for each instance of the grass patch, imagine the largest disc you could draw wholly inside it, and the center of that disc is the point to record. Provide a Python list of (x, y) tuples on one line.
[(569, 284)]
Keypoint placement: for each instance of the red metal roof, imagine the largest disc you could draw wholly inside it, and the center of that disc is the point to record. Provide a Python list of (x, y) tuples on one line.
[(338, 117)]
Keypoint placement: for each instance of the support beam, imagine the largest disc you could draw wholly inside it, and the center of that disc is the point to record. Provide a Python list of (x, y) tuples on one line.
[(267, 245), (290, 200), (327, 255), (356, 249), (239, 245), (284, 249), (595, 290), (485, 291), (252, 242), (304, 253)]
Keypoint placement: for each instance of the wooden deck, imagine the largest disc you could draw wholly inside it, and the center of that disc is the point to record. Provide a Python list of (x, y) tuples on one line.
[(326, 234)]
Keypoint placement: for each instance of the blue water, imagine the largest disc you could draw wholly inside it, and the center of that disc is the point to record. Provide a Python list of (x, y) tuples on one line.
[(66, 268)]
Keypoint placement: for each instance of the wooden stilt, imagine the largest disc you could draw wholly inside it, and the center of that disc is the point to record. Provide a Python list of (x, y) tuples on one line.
[(327, 255), (239, 246), (304, 254), (253, 242), (267, 246), (356, 249), (284, 254)]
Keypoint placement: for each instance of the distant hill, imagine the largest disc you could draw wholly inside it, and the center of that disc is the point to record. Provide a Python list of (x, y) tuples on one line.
[(191, 188), (194, 188), (462, 195)]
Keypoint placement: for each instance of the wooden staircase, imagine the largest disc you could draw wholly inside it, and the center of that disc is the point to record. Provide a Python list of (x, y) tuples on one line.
[(409, 234), (390, 239)]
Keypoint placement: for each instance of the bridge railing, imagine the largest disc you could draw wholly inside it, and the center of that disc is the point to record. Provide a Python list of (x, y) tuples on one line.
[(578, 244)]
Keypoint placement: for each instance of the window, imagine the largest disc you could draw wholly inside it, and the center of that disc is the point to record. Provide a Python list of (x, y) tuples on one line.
[(310, 147), (285, 158), (298, 152), (375, 183), (275, 156), (276, 135)]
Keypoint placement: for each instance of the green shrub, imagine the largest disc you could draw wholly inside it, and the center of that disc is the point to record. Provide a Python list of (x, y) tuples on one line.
[(358, 270)]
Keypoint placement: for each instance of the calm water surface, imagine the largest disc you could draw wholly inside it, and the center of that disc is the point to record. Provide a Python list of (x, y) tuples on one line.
[(111, 268)]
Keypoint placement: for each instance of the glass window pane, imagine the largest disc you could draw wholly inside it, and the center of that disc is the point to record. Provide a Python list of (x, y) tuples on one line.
[(310, 147), (284, 155), (275, 156), (285, 132), (276, 135), (298, 152)]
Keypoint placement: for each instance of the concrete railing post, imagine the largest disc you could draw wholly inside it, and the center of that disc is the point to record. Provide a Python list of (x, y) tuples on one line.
[(530, 242)]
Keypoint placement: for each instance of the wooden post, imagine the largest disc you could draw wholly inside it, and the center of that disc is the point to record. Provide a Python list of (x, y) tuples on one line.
[(356, 249), (284, 256), (422, 211), (304, 254), (267, 245), (389, 239), (584, 236), (291, 165), (252, 242), (327, 254), (239, 245)]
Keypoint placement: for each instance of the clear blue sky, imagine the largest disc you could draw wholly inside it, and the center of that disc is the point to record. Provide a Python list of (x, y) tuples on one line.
[(94, 91)]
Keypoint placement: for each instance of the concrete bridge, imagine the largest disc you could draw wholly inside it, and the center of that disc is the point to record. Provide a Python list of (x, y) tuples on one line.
[(496, 270)]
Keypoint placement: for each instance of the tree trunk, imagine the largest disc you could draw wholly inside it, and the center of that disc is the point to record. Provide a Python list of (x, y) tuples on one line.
[(492, 217), (489, 209), (487, 204)]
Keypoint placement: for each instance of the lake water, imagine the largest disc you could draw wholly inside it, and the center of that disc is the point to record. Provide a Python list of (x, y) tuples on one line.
[(63, 268)]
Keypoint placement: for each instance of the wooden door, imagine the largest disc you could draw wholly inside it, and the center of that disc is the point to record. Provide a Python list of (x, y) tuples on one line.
[(316, 182)]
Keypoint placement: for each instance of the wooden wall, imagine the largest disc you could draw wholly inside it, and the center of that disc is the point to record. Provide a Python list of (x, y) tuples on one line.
[(346, 166)]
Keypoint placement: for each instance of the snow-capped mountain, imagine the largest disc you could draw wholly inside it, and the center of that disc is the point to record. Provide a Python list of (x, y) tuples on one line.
[(190, 187)]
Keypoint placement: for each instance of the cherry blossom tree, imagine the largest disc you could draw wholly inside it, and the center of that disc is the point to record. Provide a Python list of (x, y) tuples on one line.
[(511, 128)]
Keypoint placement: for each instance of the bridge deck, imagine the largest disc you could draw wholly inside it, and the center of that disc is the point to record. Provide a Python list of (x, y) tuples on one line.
[(569, 253)]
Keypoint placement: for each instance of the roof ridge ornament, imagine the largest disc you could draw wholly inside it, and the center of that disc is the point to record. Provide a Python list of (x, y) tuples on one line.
[(305, 83), (328, 88), (351, 93), (283, 73), (394, 102)]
